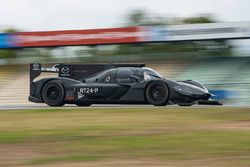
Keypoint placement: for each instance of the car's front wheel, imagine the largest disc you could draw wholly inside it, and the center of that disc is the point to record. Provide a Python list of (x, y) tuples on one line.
[(157, 93), (53, 93)]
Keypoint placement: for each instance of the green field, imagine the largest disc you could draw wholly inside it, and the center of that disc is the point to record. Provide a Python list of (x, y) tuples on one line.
[(125, 137)]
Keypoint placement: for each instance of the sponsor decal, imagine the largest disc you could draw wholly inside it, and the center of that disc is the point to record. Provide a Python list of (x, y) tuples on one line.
[(65, 70), (88, 90), (70, 95), (107, 79), (83, 92), (70, 98), (36, 67)]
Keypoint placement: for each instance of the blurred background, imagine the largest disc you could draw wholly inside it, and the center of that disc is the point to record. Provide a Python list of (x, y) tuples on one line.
[(222, 64)]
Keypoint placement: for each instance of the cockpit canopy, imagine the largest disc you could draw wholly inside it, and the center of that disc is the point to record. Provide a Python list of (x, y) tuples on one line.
[(150, 73), (125, 75)]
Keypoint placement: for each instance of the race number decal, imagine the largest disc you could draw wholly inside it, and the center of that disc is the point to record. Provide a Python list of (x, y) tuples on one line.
[(88, 90)]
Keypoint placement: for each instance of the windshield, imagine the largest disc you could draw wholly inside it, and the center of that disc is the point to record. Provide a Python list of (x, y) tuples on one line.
[(150, 74)]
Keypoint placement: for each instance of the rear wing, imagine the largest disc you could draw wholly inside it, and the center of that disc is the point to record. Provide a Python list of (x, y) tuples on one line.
[(74, 71)]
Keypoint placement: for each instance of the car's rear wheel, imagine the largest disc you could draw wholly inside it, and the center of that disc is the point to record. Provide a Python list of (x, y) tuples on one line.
[(157, 93), (53, 93)]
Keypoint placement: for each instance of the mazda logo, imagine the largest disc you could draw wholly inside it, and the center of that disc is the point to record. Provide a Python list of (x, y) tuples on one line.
[(65, 70), (35, 66)]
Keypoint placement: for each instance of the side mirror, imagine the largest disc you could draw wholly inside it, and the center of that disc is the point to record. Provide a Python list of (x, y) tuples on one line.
[(134, 78)]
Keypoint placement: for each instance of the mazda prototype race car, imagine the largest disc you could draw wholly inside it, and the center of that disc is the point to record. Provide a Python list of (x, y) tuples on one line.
[(86, 84)]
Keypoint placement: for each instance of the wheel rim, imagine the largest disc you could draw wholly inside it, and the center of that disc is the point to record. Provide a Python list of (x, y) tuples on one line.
[(158, 93), (52, 93)]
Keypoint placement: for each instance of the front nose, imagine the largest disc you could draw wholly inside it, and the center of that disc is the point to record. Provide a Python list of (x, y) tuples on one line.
[(206, 96)]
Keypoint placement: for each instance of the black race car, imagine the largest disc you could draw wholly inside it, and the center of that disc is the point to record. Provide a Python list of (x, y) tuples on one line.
[(86, 84)]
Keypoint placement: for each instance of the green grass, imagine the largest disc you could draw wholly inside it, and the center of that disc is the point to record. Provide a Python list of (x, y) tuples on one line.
[(89, 135), (72, 158)]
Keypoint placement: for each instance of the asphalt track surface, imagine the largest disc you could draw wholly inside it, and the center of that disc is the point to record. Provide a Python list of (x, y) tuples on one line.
[(44, 106)]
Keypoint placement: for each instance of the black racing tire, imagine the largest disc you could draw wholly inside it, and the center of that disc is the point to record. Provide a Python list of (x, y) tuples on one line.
[(157, 93), (83, 104), (53, 93)]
